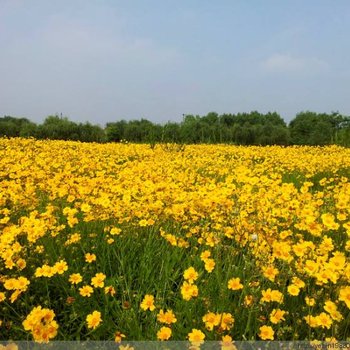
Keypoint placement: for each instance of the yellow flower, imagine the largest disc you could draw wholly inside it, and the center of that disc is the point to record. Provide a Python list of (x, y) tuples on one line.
[(344, 295), (94, 319), (75, 278), (277, 316), (89, 258), (167, 317), (150, 222), (235, 284), (293, 290), (227, 343), (164, 333), (2, 296), (330, 307), (110, 290), (127, 347), (171, 239), (39, 249), (21, 263), (148, 303), (310, 301), (209, 265), (211, 320), (190, 274), (98, 280), (22, 283), (205, 255), (266, 333), (271, 295), (115, 231), (338, 261), (324, 320), (60, 267), (45, 271), (189, 291), (266, 295), (328, 221), (14, 296), (143, 223), (298, 282), (311, 321), (196, 336), (270, 272), (227, 321), (118, 336), (248, 299), (85, 207), (86, 291), (311, 267)]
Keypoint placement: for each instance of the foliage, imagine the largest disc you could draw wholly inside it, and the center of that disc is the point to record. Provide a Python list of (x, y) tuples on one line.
[(310, 128), (307, 128)]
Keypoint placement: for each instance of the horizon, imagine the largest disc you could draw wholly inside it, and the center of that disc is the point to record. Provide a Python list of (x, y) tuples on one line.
[(106, 61), (60, 115)]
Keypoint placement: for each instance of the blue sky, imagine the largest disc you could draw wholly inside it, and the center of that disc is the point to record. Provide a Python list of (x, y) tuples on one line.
[(106, 60)]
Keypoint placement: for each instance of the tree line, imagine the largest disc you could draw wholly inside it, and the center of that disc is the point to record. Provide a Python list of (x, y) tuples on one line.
[(307, 128)]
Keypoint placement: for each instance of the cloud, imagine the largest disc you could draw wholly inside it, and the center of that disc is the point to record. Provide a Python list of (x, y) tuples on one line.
[(285, 63)]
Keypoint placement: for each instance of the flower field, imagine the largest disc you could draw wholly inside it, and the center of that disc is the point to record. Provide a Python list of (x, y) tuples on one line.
[(204, 242)]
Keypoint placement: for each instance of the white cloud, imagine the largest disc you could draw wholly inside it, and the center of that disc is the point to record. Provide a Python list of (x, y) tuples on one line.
[(285, 63)]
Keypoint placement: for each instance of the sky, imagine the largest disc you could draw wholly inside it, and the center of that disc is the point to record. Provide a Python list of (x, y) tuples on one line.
[(106, 60)]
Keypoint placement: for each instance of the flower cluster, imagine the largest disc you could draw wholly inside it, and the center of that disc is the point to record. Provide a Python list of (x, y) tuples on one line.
[(40, 322)]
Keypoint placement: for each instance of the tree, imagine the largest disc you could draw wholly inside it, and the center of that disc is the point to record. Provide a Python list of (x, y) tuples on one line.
[(171, 133), (310, 128), (116, 131), (11, 126)]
